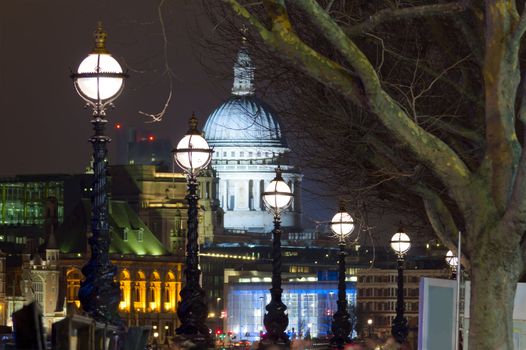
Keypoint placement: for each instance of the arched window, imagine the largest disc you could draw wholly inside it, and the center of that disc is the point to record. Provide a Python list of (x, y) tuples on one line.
[(170, 292), (38, 289), (154, 297), (73, 278), (125, 286), (139, 292)]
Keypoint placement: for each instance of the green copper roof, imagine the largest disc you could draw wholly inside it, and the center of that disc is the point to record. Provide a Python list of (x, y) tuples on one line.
[(126, 231)]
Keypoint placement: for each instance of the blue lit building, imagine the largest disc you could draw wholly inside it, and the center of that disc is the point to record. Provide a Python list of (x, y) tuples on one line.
[(310, 306)]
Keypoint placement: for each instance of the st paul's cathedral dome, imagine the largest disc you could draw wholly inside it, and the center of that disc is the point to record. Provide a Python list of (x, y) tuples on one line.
[(248, 144)]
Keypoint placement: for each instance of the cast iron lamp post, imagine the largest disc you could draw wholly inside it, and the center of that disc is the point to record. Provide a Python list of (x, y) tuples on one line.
[(99, 81), (452, 261), (342, 225), (370, 324), (400, 243), (193, 155), (277, 197)]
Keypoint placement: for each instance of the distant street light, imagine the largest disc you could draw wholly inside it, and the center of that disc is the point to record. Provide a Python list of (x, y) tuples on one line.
[(277, 197), (193, 155), (342, 225), (400, 243), (452, 261), (99, 80), (370, 324)]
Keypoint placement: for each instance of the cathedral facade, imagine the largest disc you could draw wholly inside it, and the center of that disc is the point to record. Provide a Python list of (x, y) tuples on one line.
[(248, 144)]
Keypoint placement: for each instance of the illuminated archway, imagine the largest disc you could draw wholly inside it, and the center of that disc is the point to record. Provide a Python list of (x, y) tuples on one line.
[(139, 292), (154, 296), (170, 292), (125, 286), (73, 278)]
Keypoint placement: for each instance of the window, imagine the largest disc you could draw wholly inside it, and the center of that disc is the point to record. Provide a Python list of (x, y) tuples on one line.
[(224, 154), (140, 235), (232, 154), (73, 278), (258, 154), (250, 154), (125, 234), (241, 154), (137, 294), (38, 289)]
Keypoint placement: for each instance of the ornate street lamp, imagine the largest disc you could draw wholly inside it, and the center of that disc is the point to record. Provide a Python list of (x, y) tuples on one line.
[(342, 225), (400, 243), (452, 261), (193, 155), (370, 324), (277, 197), (99, 80)]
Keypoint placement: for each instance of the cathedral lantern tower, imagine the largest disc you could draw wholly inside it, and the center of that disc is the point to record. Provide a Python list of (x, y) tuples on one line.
[(248, 145)]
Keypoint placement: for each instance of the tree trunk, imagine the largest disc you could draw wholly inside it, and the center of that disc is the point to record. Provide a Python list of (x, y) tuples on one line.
[(495, 271)]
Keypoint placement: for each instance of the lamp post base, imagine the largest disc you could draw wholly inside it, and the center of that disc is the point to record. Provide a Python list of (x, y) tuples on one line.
[(197, 341), (274, 344), (276, 320)]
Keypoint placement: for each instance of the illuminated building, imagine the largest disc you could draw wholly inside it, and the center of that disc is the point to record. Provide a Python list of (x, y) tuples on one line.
[(148, 275), (159, 200), (376, 297), (248, 145), (311, 302)]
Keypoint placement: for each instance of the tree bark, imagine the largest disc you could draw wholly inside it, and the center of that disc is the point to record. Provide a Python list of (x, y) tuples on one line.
[(495, 271)]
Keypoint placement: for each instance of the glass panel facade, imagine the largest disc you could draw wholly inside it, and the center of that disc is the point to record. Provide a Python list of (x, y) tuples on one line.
[(24, 203), (310, 306)]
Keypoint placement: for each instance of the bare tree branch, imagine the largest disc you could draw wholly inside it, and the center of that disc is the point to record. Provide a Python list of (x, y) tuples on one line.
[(446, 164), (395, 14), (442, 221), (168, 72)]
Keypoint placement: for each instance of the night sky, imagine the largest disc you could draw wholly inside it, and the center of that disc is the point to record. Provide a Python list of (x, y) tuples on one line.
[(44, 126)]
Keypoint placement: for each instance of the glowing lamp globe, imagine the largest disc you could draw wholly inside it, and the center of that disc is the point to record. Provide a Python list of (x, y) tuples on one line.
[(342, 224), (400, 243), (99, 80), (99, 77), (193, 153), (277, 195), (451, 259)]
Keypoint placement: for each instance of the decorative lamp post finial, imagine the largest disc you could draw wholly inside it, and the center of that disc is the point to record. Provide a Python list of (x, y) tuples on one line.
[(192, 122), (99, 36)]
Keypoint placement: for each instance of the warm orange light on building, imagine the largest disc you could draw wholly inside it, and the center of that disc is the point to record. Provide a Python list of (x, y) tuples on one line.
[(125, 286)]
